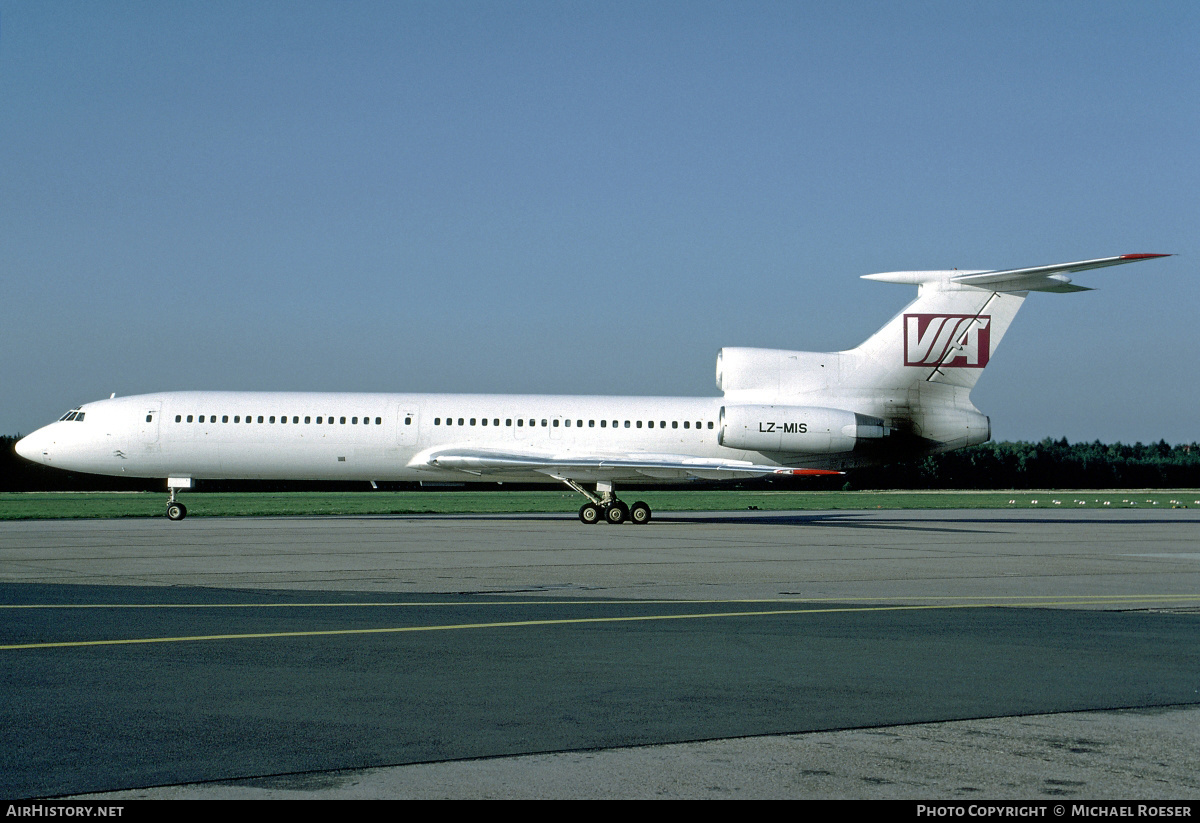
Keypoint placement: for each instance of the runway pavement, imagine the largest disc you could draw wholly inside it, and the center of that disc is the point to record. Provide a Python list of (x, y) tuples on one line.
[(534, 656)]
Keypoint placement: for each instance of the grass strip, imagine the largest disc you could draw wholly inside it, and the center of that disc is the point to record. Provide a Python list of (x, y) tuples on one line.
[(78, 505)]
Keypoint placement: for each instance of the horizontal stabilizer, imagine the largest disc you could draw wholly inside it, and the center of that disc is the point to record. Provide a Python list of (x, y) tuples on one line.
[(1053, 278)]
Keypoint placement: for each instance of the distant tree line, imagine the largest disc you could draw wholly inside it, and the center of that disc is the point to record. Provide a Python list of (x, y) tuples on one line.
[(1048, 464)]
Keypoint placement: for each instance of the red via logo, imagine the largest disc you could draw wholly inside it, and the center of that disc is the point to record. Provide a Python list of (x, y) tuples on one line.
[(955, 340)]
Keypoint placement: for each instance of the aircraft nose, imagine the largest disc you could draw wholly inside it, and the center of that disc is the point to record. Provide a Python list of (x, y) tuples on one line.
[(31, 446)]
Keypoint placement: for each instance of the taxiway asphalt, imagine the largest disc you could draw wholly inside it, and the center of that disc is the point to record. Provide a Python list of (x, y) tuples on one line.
[(283, 657)]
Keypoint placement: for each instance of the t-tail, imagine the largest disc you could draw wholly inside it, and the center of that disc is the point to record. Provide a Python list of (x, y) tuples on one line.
[(906, 390)]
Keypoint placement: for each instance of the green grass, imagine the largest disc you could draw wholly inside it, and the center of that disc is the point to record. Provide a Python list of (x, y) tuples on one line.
[(54, 505)]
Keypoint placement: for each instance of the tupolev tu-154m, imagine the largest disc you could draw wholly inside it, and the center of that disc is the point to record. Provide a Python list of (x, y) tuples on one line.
[(903, 393)]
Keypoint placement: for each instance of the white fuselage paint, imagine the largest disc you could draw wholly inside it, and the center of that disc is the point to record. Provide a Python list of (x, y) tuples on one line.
[(115, 438)]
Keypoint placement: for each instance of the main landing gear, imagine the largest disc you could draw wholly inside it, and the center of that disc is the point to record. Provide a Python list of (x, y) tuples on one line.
[(606, 508)]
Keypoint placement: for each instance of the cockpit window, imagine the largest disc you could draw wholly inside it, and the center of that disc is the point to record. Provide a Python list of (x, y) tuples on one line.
[(73, 414)]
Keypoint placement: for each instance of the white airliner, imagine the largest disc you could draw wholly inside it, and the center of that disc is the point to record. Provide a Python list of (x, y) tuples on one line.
[(903, 393)]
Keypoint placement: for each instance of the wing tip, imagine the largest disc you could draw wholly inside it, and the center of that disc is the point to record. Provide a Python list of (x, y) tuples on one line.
[(1143, 256)]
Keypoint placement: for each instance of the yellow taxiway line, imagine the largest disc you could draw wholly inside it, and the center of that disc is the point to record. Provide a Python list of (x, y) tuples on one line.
[(1023, 602)]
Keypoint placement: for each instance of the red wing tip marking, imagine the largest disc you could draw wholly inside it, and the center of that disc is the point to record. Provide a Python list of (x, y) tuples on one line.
[(1142, 256), (807, 472)]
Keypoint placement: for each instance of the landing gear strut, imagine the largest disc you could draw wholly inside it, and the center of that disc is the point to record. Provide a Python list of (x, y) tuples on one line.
[(606, 508), (175, 509)]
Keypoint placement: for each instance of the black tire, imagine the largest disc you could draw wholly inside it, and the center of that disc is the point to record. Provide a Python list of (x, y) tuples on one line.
[(617, 513), (589, 513), (176, 511), (639, 513)]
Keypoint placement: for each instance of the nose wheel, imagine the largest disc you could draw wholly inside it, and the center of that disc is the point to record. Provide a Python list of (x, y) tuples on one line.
[(175, 509)]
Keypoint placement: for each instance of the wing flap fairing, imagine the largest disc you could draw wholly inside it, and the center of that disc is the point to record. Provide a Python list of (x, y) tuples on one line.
[(481, 462)]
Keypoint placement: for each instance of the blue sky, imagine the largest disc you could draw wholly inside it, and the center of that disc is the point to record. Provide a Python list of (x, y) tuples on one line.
[(589, 198)]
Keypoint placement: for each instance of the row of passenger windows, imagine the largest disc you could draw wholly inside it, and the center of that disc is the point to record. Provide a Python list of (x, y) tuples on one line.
[(437, 421), (237, 418), (545, 422)]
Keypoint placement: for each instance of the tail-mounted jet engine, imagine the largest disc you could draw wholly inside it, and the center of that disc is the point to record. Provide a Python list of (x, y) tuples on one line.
[(808, 429)]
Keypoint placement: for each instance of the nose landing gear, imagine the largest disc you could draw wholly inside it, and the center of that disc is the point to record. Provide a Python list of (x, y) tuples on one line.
[(175, 509)]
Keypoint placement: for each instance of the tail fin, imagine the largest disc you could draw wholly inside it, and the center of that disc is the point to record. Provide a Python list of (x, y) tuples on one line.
[(949, 333), (916, 373)]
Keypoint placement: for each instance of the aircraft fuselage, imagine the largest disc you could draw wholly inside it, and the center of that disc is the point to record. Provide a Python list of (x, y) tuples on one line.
[(345, 436)]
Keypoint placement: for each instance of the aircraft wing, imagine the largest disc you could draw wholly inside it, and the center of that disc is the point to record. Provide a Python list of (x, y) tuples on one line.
[(631, 466)]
